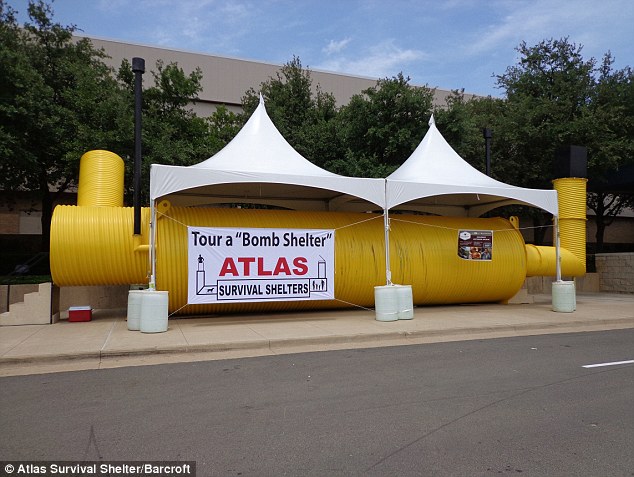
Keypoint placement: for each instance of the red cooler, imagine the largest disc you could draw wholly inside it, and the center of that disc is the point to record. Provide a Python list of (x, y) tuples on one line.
[(79, 313)]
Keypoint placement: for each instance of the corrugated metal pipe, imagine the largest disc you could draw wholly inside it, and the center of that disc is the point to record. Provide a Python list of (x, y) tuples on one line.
[(91, 245)]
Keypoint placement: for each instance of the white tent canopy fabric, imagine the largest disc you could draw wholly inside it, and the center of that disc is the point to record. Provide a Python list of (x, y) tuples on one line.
[(258, 165), (436, 179)]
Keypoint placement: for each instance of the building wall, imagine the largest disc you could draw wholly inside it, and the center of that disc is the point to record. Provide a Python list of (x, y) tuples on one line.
[(9, 222), (225, 80), (620, 231), (616, 272)]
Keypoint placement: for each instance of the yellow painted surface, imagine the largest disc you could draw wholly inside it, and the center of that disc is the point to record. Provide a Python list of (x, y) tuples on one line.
[(424, 253), (100, 179), (542, 261), (96, 246), (572, 215), (93, 244)]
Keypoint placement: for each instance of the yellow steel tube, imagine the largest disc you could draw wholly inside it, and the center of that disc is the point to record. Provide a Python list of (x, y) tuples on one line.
[(96, 246), (100, 179), (572, 215), (425, 255), (542, 261), (423, 250)]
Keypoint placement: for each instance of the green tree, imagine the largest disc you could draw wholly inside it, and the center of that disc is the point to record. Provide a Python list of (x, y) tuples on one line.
[(462, 122), (610, 140), (370, 136), (555, 97), (548, 94), (58, 100), (223, 127), (382, 126)]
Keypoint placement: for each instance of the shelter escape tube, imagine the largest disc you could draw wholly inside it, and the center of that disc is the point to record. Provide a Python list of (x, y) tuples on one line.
[(92, 244), (542, 261), (100, 179), (95, 246), (572, 215)]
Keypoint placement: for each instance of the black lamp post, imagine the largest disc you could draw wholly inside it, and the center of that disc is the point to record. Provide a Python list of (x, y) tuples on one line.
[(138, 67), (488, 134)]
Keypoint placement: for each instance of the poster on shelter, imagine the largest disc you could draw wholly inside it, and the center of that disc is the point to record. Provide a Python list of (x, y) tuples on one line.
[(475, 244), (237, 265)]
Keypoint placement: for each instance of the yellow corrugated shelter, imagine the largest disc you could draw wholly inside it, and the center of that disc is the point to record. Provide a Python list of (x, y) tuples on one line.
[(93, 244)]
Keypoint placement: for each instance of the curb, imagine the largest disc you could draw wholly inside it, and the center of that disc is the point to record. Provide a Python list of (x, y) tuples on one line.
[(323, 341)]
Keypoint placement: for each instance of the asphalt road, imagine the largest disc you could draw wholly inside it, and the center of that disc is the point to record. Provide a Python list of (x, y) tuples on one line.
[(491, 407)]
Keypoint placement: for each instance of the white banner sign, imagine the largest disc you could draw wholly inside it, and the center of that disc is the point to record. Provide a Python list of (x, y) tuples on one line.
[(227, 265)]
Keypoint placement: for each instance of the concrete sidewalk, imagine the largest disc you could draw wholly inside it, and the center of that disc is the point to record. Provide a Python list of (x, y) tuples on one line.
[(105, 342)]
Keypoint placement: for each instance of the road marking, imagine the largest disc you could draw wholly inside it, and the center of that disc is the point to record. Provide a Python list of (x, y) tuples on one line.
[(608, 364)]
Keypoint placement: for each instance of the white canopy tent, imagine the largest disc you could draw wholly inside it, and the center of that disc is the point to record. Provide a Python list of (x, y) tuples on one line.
[(435, 179), (259, 166)]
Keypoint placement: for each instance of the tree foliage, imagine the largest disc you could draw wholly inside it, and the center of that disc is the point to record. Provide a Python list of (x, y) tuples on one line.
[(462, 122), (58, 100), (554, 98), (172, 133), (370, 136), (548, 94), (382, 126)]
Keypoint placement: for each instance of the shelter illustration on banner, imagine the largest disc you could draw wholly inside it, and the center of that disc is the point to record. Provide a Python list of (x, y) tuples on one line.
[(255, 265)]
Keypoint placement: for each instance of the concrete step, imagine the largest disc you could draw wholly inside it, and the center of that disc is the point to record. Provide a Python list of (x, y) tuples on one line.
[(36, 309)]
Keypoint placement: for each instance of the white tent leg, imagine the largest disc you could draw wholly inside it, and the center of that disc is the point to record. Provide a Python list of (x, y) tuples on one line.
[(388, 271), (557, 250), (152, 285)]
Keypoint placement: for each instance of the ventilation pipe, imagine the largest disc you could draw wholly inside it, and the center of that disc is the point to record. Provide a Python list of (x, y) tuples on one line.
[(571, 178), (572, 215), (570, 224)]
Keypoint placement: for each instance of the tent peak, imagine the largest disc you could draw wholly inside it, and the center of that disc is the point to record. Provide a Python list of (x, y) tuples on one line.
[(261, 98), (432, 121), (436, 169)]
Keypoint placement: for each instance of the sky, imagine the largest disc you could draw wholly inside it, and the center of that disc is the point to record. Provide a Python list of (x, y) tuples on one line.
[(449, 44)]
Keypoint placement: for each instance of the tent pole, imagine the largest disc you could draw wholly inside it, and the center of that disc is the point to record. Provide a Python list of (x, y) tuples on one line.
[(386, 225), (152, 284), (557, 250), (388, 271)]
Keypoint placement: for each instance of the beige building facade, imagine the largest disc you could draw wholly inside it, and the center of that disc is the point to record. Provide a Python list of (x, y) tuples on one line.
[(226, 80)]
